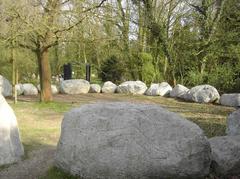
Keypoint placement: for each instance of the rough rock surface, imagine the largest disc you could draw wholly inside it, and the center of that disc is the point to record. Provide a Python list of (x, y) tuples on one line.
[(95, 88), (54, 89), (125, 140), (132, 87), (226, 155), (179, 91), (162, 89), (202, 94), (77, 86), (19, 88), (5, 87), (230, 100), (233, 123), (11, 148), (109, 87), (29, 89)]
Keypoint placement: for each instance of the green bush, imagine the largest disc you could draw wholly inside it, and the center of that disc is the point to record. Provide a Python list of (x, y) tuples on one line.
[(150, 73), (222, 78), (112, 70), (195, 78)]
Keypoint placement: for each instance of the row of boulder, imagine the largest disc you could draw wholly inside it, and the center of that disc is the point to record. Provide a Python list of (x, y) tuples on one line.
[(126, 140), (199, 94)]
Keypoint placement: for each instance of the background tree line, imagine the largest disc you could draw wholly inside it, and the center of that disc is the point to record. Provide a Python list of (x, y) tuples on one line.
[(180, 41)]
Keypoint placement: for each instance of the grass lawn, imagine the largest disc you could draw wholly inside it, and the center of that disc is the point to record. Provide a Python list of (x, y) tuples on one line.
[(40, 123)]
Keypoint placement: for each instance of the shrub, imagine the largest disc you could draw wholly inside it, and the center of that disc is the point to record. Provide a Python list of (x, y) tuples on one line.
[(111, 70)]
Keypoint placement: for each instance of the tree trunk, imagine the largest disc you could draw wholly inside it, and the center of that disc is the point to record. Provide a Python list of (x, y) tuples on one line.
[(45, 76)]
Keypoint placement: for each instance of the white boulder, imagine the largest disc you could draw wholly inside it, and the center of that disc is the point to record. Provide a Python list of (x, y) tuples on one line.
[(29, 89), (233, 123), (5, 87), (77, 86), (226, 155), (132, 87), (179, 91), (202, 94), (109, 87), (19, 88), (95, 88), (11, 149), (162, 89), (125, 140), (54, 89), (230, 100)]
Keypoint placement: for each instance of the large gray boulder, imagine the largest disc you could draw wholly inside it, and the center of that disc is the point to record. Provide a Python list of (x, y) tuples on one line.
[(54, 89), (230, 100), (109, 87), (11, 149), (95, 88), (29, 89), (226, 155), (5, 87), (159, 89), (233, 123), (179, 91), (202, 94), (124, 140), (132, 87), (77, 86)]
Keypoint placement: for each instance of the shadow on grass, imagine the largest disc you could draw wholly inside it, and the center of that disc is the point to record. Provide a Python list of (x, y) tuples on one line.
[(56, 173), (210, 128)]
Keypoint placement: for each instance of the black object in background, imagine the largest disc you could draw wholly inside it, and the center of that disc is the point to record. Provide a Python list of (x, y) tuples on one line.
[(67, 71), (88, 72)]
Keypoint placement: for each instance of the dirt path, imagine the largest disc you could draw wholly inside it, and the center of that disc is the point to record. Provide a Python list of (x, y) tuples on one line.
[(35, 166)]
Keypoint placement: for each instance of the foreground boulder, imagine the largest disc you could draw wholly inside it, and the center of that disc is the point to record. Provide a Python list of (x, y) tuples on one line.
[(202, 94), (230, 100), (109, 87), (11, 149), (132, 87), (226, 155), (77, 86), (5, 87), (95, 88), (125, 140), (179, 91), (29, 89), (233, 124), (54, 89), (162, 89)]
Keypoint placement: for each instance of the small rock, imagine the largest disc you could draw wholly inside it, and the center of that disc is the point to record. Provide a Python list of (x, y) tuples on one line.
[(53, 88), (29, 89), (179, 91), (19, 88), (77, 86), (162, 89), (233, 123), (230, 100), (109, 87), (95, 88), (202, 94), (132, 87), (226, 155)]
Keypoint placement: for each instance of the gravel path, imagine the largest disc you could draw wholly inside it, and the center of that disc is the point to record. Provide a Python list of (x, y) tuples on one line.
[(35, 166)]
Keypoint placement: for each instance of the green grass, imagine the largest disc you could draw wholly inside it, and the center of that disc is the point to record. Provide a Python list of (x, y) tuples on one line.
[(55, 173), (40, 123)]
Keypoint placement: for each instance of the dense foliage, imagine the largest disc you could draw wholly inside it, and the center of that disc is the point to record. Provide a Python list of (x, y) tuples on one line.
[(180, 41)]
